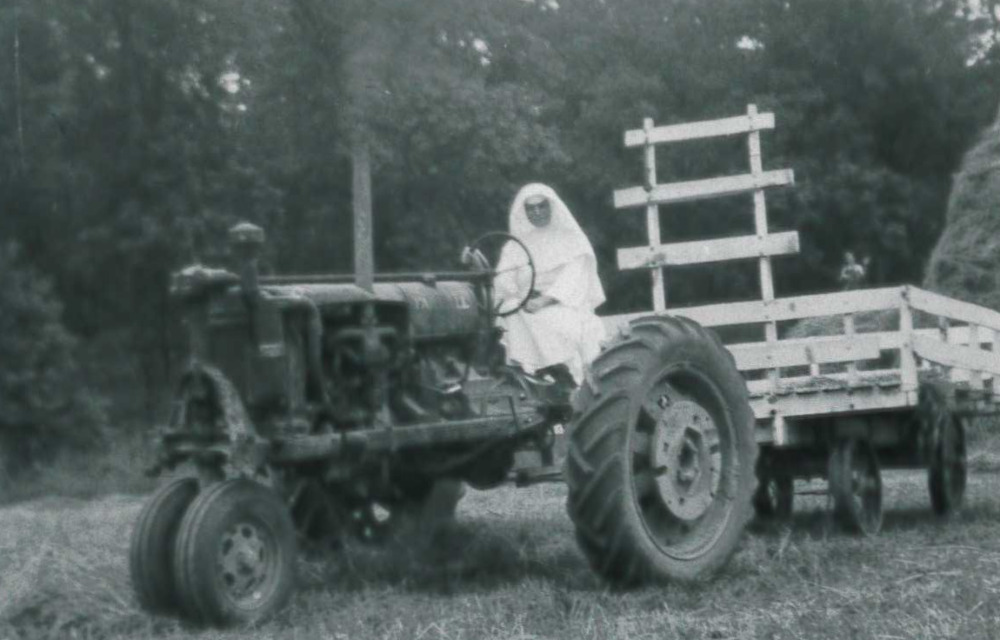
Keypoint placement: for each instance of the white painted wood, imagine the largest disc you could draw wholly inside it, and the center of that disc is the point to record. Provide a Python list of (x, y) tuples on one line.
[(760, 226), (697, 130), (653, 221), (852, 368), (791, 308), (940, 305), (703, 251), (701, 189), (907, 360), (961, 334), (887, 341), (831, 403), (864, 379), (987, 341), (793, 353), (976, 375), (954, 355)]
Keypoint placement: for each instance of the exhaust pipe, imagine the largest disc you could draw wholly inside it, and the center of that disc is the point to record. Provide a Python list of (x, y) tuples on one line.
[(364, 251)]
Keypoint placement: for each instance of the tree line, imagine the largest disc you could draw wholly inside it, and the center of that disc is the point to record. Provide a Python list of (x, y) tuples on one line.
[(132, 134)]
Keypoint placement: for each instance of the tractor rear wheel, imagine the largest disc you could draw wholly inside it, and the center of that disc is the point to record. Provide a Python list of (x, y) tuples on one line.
[(235, 555), (151, 549), (660, 465)]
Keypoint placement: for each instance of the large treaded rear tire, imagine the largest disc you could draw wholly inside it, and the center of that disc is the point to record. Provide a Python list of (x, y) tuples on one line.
[(664, 381)]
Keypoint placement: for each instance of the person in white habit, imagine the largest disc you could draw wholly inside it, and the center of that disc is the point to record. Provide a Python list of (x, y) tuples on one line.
[(557, 331)]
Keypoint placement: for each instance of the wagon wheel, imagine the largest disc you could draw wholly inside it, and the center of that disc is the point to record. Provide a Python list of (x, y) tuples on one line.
[(774, 497), (234, 560), (856, 485), (944, 433), (151, 549), (661, 454), (946, 477)]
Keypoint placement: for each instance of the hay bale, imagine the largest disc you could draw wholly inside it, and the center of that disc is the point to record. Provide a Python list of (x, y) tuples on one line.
[(965, 263)]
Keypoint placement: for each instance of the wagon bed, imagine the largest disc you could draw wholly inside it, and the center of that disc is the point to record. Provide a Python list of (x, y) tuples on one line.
[(882, 343), (839, 383), (877, 368)]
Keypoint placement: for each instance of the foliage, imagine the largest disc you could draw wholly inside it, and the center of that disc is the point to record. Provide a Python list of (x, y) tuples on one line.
[(132, 134), (45, 403)]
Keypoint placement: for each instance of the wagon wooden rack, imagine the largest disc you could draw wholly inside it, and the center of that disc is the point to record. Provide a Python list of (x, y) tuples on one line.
[(890, 386)]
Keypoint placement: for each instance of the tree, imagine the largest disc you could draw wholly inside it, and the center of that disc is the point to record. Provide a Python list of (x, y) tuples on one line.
[(46, 404)]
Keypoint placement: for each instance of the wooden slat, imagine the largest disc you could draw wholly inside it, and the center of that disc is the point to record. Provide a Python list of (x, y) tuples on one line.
[(976, 376), (832, 403), (793, 353), (852, 368), (939, 305), (868, 378), (702, 251), (962, 335), (760, 228), (701, 189), (697, 130), (793, 308), (653, 222), (954, 355)]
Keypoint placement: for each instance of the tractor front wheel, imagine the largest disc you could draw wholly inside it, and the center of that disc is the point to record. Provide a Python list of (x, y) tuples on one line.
[(661, 456), (235, 556), (151, 549)]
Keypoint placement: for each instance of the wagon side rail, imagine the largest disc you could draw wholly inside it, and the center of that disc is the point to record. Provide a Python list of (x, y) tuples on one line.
[(960, 345), (873, 346), (878, 345)]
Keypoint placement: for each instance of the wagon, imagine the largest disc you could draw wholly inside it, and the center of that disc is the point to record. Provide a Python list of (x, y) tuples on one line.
[(890, 383)]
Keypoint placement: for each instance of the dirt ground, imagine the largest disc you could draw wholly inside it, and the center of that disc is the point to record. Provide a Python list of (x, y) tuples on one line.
[(509, 568)]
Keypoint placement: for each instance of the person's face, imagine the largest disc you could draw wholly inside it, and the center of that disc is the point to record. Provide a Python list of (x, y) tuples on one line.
[(539, 211)]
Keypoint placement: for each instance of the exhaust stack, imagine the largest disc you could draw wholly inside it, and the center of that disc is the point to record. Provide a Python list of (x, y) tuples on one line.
[(364, 250)]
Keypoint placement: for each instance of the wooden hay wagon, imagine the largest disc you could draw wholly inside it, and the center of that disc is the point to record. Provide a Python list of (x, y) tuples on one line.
[(891, 383)]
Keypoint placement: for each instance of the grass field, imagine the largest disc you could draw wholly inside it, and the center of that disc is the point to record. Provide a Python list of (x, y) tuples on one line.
[(509, 568)]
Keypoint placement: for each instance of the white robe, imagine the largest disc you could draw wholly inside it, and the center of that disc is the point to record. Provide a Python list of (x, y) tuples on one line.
[(567, 332)]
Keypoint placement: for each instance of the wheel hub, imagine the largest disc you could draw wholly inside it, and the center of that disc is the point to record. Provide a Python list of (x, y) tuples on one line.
[(682, 458), (243, 562)]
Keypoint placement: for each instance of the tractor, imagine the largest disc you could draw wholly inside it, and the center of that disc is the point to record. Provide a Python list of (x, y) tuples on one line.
[(320, 409)]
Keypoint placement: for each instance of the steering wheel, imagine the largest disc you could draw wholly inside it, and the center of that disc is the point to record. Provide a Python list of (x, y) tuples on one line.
[(484, 254)]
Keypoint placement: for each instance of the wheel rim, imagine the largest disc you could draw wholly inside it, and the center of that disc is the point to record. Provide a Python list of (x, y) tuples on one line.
[(682, 462), (951, 462), (248, 561), (955, 461), (861, 492), (866, 492)]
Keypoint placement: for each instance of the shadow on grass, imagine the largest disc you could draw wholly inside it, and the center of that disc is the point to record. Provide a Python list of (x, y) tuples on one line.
[(821, 523), (456, 557)]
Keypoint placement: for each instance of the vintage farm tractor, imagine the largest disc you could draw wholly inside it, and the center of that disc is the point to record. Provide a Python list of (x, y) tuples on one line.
[(319, 408)]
